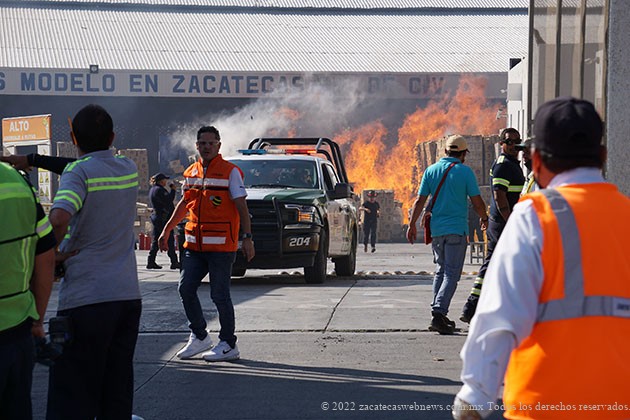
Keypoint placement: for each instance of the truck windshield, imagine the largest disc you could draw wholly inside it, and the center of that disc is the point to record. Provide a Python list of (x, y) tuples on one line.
[(289, 173)]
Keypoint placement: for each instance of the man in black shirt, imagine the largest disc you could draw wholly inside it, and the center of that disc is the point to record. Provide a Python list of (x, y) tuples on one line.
[(507, 182), (371, 211)]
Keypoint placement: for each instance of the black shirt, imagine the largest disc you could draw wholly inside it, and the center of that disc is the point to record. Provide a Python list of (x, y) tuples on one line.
[(506, 175), (162, 201), (372, 216)]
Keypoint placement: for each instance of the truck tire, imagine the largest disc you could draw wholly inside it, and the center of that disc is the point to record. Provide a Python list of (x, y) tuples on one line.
[(345, 266), (317, 273)]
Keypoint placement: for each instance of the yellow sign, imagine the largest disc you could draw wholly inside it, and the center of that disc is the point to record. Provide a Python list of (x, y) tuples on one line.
[(35, 127)]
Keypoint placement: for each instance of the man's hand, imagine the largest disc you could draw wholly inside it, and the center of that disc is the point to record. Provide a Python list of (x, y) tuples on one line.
[(163, 240), (19, 162), (412, 233), (248, 248), (484, 224)]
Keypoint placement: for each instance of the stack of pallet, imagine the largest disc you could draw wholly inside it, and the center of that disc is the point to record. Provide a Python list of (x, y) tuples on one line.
[(141, 158)]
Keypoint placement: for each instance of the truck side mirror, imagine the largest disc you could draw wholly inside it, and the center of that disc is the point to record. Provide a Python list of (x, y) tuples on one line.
[(342, 190)]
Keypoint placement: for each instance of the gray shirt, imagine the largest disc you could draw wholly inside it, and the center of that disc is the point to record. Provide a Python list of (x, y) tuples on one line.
[(99, 190)]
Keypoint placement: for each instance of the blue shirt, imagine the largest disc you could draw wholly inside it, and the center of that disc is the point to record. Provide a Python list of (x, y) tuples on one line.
[(450, 211)]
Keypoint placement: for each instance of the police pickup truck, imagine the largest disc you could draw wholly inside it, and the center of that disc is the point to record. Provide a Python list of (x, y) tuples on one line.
[(302, 207)]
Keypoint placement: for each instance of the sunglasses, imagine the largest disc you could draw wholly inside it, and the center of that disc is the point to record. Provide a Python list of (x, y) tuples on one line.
[(510, 142)]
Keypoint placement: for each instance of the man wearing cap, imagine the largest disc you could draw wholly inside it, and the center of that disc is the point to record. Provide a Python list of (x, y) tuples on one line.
[(554, 321), (371, 212), (449, 224), (507, 182), (162, 203)]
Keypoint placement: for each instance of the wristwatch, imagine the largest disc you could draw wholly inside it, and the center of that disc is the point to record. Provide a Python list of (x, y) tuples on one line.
[(247, 236)]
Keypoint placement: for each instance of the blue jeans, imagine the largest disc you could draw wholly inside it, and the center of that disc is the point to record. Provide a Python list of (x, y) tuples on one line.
[(449, 253), (195, 266)]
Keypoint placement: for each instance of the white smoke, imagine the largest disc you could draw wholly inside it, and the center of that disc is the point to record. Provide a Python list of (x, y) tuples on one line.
[(318, 110)]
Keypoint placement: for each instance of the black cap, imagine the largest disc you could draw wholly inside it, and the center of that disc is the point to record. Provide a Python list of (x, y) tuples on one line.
[(568, 128), (159, 176), (371, 193)]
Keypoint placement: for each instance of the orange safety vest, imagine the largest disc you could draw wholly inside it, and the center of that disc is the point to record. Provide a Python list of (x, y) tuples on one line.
[(576, 361), (213, 220)]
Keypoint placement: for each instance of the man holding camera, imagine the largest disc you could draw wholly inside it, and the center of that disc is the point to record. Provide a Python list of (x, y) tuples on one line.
[(507, 182), (99, 297), (27, 260)]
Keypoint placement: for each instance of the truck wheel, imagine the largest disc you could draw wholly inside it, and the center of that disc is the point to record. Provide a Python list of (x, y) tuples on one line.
[(317, 273), (345, 266), (238, 272)]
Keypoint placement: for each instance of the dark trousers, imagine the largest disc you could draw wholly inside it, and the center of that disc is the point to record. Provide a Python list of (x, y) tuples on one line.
[(16, 373), (93, 378), (493, 233), (158, 226), (369, 233)]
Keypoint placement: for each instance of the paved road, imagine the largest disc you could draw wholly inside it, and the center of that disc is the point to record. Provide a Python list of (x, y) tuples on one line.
[(352, 348)]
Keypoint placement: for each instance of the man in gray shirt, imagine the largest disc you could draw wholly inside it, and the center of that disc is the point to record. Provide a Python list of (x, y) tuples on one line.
[(93, 212)]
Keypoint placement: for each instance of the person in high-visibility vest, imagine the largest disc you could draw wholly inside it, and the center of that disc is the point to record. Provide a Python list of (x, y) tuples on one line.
[(554, 322), (214, 203), (27, 262)]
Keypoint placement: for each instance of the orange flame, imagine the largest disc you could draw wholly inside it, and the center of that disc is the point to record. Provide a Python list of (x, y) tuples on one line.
[(370, 163)]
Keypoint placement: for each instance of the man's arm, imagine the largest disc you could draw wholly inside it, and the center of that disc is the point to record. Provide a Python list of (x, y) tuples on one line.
[(480, 208), (178, 214), (416, 210), (54, 164), (59, 219), (246, 227), (500, 197), (41, 287)]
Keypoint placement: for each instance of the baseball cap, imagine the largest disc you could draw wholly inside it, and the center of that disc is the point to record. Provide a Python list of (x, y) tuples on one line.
[(456, 143), (371, 193), (568, 128), (159, 176)]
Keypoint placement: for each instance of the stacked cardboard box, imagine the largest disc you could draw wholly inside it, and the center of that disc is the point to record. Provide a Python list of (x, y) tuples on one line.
[(141, 158)]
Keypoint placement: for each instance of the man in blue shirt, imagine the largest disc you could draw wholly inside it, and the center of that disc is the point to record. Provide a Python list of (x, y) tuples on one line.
[(449, 224)]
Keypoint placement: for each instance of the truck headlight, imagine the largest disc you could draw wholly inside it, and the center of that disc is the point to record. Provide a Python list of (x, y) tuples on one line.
[(302, 214)]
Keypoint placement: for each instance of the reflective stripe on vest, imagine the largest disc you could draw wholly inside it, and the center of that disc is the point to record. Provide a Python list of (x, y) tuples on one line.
[(575, 304), (207, 240), (207, 183)]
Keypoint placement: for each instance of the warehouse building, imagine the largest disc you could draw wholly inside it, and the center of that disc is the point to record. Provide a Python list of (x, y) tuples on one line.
[(252, 67)]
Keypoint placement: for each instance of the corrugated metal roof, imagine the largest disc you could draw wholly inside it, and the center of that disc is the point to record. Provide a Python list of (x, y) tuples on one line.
[(42, 37), (319, 4)]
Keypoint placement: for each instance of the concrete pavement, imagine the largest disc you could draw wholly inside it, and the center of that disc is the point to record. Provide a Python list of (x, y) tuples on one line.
[(351, 348)]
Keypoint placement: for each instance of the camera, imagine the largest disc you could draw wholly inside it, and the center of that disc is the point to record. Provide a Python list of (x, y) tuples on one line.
[(48, 349), (46, 352), (60, 330)]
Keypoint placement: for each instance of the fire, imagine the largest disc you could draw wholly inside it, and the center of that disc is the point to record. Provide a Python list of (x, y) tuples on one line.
[(373, 163)]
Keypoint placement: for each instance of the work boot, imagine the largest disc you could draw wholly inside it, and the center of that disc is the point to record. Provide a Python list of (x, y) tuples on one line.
[(440, 323), (152, 265), (470, 307)]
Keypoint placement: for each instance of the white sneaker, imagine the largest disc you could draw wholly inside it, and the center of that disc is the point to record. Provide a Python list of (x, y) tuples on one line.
[(194, 346), (222, 352)]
